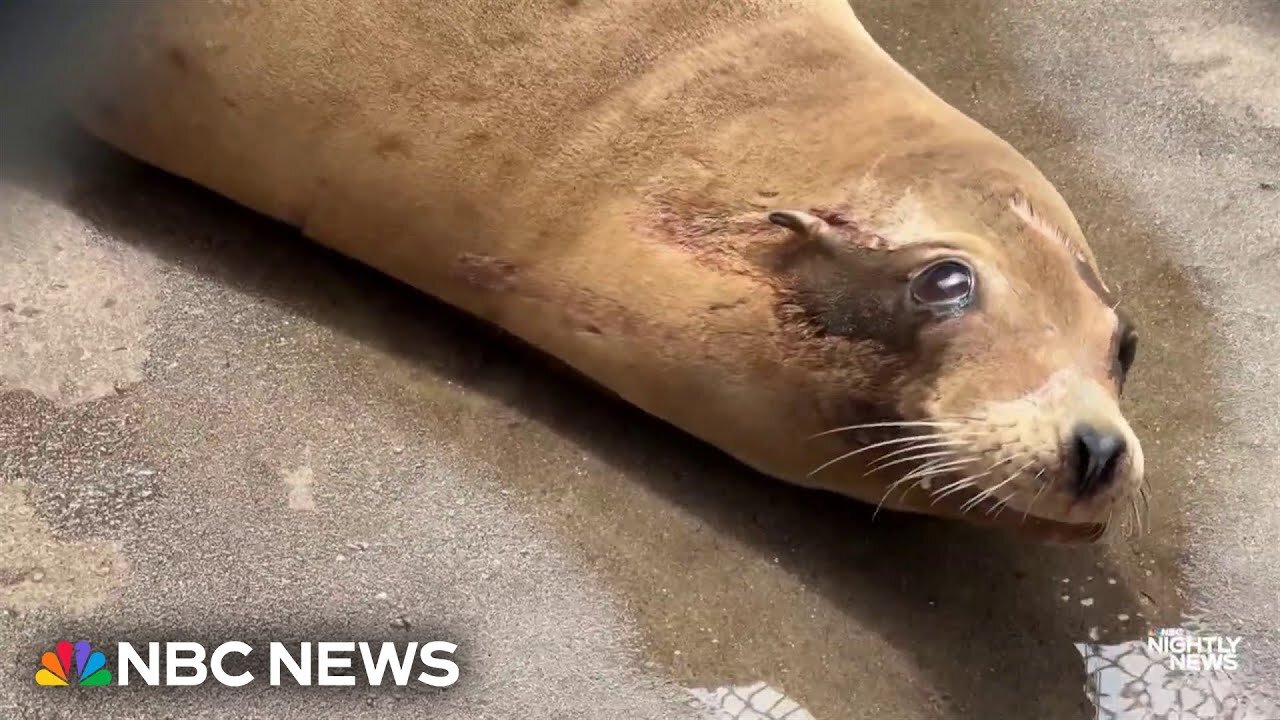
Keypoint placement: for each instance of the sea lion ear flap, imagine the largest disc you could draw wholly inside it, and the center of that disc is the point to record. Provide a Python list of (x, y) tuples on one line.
[(833, 235), (808, 226)]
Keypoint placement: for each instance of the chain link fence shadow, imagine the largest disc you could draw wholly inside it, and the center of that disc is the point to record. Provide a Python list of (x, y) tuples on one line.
[(1134, 681)]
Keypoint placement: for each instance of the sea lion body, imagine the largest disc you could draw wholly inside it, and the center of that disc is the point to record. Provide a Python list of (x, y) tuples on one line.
[(596, 178)]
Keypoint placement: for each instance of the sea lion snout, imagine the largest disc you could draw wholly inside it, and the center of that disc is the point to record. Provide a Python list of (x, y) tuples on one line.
[(1096, 454), (1062, 453), (1102, 462)]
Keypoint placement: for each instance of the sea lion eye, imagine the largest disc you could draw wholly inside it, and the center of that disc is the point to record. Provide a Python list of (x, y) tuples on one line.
[(1127, 352), (946, 285)]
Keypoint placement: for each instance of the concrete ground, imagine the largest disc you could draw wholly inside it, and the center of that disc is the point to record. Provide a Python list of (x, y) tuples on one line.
[(210, 428)]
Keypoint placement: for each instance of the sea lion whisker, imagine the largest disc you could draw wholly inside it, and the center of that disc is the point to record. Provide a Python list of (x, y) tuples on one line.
[(1000, 506), (1137, 516), (913, 458), (976, 500), (977, 476), (1144, 494), (914, 448), (895, 441), (922, 468), (895, 424), (956, 486), (936, 467), (1106, 527), (928, 470), (927, 477), (857, 451), (951, 489), (913, 473), (1035, 497), (973, 502), (1020, 470), (888, 491)]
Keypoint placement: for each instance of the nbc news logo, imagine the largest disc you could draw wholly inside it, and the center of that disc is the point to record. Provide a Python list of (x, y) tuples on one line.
[(188, 664), (90, 666)]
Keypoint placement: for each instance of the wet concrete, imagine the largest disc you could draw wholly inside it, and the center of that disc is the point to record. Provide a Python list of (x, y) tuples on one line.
[(213, 427)]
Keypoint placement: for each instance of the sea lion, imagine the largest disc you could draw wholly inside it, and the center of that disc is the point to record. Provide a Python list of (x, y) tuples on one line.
[(741, 216)]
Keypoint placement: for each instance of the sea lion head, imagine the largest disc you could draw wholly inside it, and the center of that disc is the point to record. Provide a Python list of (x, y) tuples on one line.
[(992, 360)]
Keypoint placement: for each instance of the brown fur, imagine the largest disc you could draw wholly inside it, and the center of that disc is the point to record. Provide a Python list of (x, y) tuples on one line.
[(595, 178)]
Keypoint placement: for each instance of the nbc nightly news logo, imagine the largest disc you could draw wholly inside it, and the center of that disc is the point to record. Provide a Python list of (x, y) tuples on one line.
[(305, 664)]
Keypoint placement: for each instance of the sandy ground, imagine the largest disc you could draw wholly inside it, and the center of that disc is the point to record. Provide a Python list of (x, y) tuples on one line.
[(210, 428)]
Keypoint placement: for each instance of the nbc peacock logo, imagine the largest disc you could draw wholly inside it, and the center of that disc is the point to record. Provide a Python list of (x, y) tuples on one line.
[(90, 666)]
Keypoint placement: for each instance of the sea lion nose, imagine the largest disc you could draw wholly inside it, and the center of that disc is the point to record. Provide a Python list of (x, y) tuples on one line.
[(1097, 452)]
